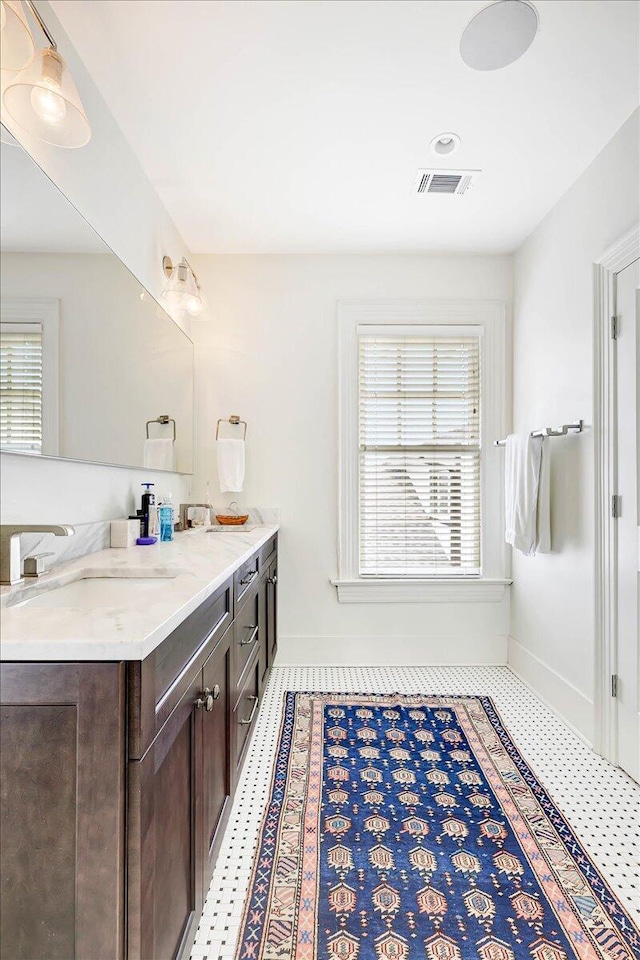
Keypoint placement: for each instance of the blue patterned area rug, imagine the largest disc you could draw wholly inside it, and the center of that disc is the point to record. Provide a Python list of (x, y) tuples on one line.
[(405, 827)]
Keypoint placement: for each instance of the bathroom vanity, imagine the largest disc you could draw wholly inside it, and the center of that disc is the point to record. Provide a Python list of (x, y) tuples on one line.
[(120, 757)]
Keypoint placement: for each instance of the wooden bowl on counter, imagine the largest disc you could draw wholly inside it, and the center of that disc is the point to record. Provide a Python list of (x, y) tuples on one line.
[(231, 520)]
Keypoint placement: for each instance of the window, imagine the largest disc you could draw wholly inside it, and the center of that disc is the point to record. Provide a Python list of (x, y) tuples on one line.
[(21, 387), (419, 453), (422, 396), (29, 403)]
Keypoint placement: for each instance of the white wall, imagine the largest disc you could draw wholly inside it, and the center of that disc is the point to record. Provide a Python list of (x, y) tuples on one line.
[(552, 598), (106, 183), (270, 355)]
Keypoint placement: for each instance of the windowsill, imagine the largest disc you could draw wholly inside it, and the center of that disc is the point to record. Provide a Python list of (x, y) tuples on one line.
[(371, 590)]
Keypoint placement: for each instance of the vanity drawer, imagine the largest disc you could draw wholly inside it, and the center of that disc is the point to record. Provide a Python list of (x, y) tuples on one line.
[(244, 715), (156, 684), (246, 629), (246, 577)]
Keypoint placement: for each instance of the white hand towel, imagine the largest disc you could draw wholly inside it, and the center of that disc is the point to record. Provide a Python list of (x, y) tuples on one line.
[(231, 465), (522, 478), (543, 513), (160, 454)]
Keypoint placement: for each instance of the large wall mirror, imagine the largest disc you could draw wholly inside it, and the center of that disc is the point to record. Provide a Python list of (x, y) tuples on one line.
[(90, 364)]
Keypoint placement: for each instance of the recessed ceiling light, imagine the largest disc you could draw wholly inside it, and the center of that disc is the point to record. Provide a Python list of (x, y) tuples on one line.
[(499, 34), (444, 144)]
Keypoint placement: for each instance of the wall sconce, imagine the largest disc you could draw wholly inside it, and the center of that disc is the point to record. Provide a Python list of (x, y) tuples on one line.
[(182, 289), (42, 98)]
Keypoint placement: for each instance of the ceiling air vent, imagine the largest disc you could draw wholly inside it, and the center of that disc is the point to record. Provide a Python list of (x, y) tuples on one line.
[(454, 182)]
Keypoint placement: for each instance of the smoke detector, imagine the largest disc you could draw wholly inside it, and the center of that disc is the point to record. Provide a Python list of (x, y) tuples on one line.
[(452, 182)]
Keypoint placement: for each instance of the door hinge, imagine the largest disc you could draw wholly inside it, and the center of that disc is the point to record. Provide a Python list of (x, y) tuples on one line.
[(616, 506), (614, 684), (615, 328)]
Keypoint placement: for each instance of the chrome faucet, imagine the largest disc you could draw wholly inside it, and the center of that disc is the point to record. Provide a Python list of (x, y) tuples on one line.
[(183, 513), (10, 567)]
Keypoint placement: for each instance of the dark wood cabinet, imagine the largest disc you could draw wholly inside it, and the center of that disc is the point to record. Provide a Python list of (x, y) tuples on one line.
[(216, 751), (62, 816), (164, 883), (272, 611), (117, 781), (244, 713)]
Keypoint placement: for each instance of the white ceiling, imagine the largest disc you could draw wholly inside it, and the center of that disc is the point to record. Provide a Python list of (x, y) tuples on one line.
[(298, 125)]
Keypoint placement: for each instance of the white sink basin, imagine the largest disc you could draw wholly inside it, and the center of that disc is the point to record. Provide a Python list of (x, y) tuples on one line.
[(92, 592)]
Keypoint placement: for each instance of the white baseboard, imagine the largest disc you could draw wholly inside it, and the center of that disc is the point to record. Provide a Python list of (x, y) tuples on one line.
[(391, 651), (566, 701)]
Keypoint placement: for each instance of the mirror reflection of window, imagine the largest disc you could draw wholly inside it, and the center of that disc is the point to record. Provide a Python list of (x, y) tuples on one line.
[(29, 401), (21, 387)]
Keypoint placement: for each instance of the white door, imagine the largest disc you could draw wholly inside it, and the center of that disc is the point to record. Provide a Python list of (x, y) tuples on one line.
[(628, 541)]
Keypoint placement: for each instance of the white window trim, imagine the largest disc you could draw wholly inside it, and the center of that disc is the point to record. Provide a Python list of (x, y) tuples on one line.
[(491, 315), (46, 312)]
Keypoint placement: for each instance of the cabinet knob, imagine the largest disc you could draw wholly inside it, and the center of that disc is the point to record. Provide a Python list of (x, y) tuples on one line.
[(273, 580), (208, 698)]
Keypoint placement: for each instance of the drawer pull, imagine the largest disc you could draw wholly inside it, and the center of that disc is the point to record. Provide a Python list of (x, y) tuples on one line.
[(246, 723), (273, 580), (208, 697), (247, 580), (254, 628)]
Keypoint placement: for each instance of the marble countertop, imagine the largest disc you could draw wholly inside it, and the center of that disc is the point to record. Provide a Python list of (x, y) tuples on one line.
[(195, 563)]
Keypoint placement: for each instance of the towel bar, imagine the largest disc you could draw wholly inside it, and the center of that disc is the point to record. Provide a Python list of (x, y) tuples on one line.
[(164, 418), (575, 427), (236, 421)]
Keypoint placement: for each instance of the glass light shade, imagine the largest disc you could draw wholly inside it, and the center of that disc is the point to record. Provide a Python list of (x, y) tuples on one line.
[(193, 303), (17, 48), (43, 100), (181, 290), (176, 288)]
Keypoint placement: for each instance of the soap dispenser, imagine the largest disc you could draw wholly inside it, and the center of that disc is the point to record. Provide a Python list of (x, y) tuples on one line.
[(148, 505)]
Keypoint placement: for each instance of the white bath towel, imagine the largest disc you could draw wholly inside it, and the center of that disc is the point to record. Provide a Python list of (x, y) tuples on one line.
[(522, 481), (231, 465), (543, 512), (160, 454)]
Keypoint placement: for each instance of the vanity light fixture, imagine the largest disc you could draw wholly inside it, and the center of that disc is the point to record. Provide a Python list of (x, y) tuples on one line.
[(182, 289), (43, 100), (17, 48)]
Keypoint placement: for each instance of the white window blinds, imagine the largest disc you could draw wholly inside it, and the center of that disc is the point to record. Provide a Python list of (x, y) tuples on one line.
[(419, 462), (21, 386)]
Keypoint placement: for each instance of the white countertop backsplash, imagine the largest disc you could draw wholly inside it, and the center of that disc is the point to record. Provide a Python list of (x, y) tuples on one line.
[(197, 562)]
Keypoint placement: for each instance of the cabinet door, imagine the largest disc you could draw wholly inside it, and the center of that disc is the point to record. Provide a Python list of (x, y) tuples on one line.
[(165, 858), (62, 767), (216, 750), (263, 636), (272, 612)]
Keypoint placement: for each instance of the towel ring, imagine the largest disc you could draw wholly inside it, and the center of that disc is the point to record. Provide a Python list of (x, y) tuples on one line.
[(236, 421), (164, 418)]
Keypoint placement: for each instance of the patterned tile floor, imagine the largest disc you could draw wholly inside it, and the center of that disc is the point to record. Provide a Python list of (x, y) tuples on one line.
[(600, 802)]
